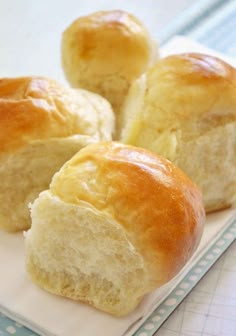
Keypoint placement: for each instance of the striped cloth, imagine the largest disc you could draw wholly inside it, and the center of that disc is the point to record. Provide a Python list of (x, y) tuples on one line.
[(210, 22)]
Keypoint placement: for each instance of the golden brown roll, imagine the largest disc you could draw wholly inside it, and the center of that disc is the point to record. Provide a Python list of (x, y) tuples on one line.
[(42, 125), (116, 223), (105, 51), (184, 108)]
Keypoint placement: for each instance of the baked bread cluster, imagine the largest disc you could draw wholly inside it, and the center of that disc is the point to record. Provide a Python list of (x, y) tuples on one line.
[(182, 107), (111, 221)]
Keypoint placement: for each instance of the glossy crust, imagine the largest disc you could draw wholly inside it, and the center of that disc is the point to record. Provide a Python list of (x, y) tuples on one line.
[(184, 108), (105, 51), (33, 108), (155, 206)]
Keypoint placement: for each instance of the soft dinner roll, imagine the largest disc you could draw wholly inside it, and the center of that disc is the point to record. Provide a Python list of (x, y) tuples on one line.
[(42, 125), (105, 51), (184, 108), (116, 223)]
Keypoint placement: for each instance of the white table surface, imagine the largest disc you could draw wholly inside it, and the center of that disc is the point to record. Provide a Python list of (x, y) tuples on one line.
[(30, 33)]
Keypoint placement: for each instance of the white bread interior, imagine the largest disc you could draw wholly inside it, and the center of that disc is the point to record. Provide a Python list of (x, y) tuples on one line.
[(28, 171), (84, 254)]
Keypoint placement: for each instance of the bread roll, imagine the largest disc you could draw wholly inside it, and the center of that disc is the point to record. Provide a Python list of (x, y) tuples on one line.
[(184, 108), (42, 125), (105, 51), (116, 223)]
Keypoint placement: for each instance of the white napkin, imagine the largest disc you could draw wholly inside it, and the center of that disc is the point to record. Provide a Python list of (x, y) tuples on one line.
[(51, 315)]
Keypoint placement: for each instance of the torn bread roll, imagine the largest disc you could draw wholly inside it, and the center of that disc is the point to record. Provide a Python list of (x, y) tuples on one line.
[(105, 51), (184, 108), (42, 125), (116, 223)]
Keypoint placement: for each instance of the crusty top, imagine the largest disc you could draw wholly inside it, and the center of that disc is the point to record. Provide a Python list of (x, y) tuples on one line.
[(190, 91), (106, 50), (116, 34), (34, 108), (159, 207)]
